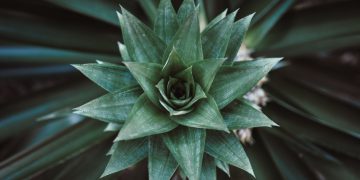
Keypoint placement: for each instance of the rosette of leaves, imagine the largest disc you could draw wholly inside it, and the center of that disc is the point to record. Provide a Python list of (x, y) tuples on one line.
[(179, 94)]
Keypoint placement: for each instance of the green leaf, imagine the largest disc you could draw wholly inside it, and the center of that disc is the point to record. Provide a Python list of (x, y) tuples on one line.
[(102, 10), (38, 55), (123, 51), (22, 115), (238, 32), (147, 75), (54, 150), (216, 20), (42, 29), (166, 23), (316, 133), (205, 115), (173, 64), (187, 147), (113, 127), (312, 30), (187, 41), (206, 70), (112, 107), (208, 171), (145, 119), (260, 29), (288, 163), (223, 166), (185, 10), (142, 43), (149, 8), (241, 114), (126, 154), (109, 77), (162, 164), (226, 147), (319, 107), (186, 75), (235, 81), (215, 39), (199, 94)]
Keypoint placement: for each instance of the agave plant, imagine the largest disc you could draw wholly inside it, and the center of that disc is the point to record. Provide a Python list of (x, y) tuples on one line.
[(179, 95), (314, 92)]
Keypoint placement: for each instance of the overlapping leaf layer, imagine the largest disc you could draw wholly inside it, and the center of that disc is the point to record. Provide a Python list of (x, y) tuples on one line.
[(179, 93)]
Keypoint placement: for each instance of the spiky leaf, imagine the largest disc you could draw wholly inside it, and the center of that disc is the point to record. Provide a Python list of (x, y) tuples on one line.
[(113, 107), (109, 77), (187, 146), (162, 164), (147, 75), (145, 119), (187, 40), (205, 115), (234, 81), (142, 44), (241, 114), (126, 154), (166, 23), (227, 148), (215, 39)]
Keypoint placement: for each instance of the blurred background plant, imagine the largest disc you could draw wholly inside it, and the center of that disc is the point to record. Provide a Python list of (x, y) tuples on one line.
[(314, 93)]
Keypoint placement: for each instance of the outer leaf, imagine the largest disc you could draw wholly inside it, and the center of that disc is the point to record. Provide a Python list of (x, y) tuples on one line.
[(112, 127), (187, 40), (162, 164), (234, 81), (109, 77), (216, 20), (35, 55), (238, 31), (205, 115), (185, 10), (240, 114), (205, 71), (147, 75), (123, 51), (126, 154), (208, 171), (149, 8), (145, 119), (259, 30), (187, 146), (215, 39), (223, 166), (142, 43), (102, 10), (166, 23), (113, 107), (226, 147)]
